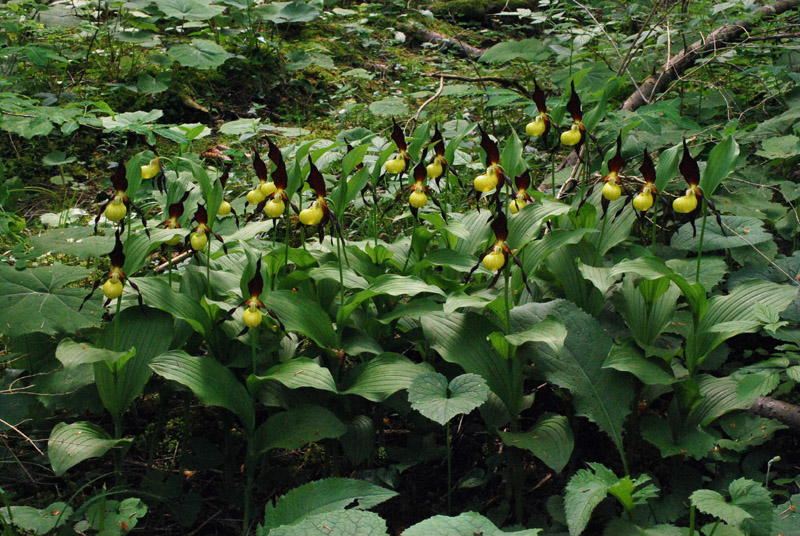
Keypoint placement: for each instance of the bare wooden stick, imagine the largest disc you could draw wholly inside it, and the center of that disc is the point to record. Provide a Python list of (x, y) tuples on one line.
[(659, 81), (788, 414)]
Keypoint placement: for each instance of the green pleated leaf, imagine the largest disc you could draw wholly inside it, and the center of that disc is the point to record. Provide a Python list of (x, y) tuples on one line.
[(430, 394), (751, 232), (550, 331), (296, 373), (359, 439), (721, 161), (667, 166), (33, 300), (630, 358), (321, 497), (383, 376), (393, 285), (466, 524), (159, 295), (304, 316), (212, 383), (70, 444), (720, 396), (550, 440), (296, 427), (538, 251), (72, 354)]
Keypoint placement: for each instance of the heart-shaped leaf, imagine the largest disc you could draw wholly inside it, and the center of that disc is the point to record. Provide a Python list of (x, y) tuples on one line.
[(430, 395)]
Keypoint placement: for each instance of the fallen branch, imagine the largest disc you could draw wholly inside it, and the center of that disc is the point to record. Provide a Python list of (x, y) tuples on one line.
[(429, 36), (659, 81), (788, 414)]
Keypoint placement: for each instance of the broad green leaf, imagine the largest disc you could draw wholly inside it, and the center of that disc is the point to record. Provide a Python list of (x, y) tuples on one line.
[(462, 339), (585, 490), (304, 316), (430, 394), (779, 147), (74, 241), (667, 166), (631, 359), (391, 284), (511, 157), (35, 521), (148, 84), (158, 294), (298, 426), (200, 53), (296, 373), (721, 161), (359, 440), (526, 225), (720, 396), (34, 300), (72, 354), (505, 51), (466, 524), (751, 229), (336, 523), (388, 107), (648, 318), (712, 270), (132, 120), (550, 331), (150, 333), (323, 496), (750, 507), (383, 376), (550, 440), (602, 395), (189, 9), (70, 444), (539, 250), (621, 527), (212, 383)]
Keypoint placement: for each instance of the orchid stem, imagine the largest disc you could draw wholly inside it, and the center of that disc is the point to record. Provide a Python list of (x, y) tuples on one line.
[(411, 244), (655, 229), (700, 245)]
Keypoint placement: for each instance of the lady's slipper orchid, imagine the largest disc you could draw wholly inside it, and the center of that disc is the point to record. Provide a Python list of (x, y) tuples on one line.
[(521, 196), (252, 315), (495, 177), (419, 192), (200, 234), (540, 126), (115, 278), (319, 213), (646, 197), (496, 257), (399, 163), (689, 201), (118, 205), (175, 211)]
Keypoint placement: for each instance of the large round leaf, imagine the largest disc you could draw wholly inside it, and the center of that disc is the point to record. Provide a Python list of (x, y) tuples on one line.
[(200, 53), (430, 395)]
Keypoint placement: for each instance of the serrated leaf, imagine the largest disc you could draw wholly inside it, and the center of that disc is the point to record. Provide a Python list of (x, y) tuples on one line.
[(430, 394), (585, 490), (70, 444), (338, 523), (550, 440), (750, 507), (602, 395), (690, 441), (505, 51), (34, 300), (77, 241), (211, 382), (37, 521), (298, 426), (324, 496), (466, 524)]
